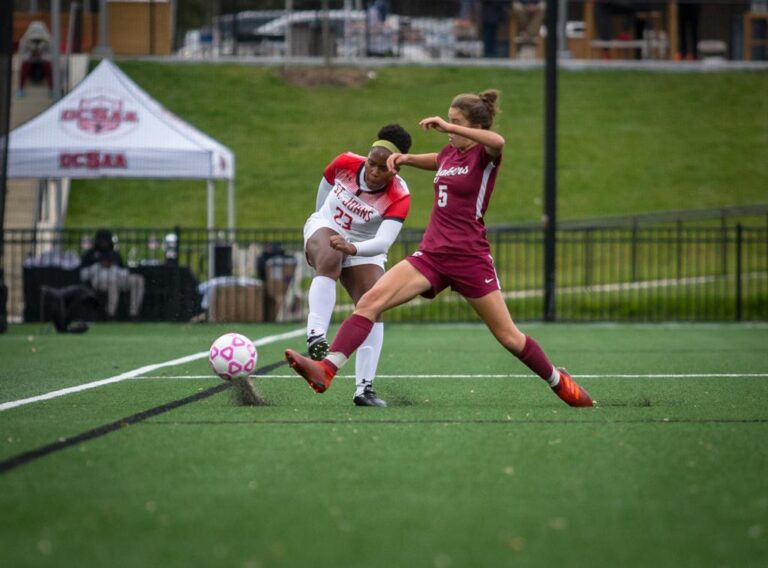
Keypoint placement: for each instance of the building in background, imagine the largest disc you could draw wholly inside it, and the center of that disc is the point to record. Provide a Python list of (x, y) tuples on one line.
[(134, 27), (141, 27)]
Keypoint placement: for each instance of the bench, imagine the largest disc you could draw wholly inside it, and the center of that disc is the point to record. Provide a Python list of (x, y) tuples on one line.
[(625, 48)]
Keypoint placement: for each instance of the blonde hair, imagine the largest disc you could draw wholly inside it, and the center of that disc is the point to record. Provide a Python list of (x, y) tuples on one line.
[(478, 109)]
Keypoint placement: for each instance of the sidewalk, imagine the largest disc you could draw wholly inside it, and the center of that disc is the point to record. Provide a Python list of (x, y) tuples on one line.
[(22, 198)]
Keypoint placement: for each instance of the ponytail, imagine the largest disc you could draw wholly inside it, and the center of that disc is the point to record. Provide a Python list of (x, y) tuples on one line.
[(479, 109)]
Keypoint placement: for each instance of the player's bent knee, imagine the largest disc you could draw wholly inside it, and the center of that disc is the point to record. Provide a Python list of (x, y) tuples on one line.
[(328, 273), (328, 266)]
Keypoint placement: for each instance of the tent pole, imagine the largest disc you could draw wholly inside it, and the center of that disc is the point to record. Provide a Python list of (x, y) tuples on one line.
[(211, 217), (211, 204), (231, 207), (103, 49), (59, 201), (56, 48)]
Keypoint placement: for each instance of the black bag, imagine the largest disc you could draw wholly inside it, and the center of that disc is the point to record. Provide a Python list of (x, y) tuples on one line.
[(69, 307)]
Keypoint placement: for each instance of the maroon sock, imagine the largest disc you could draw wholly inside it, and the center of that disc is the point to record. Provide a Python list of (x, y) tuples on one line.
[(351, 335), (535, 359)]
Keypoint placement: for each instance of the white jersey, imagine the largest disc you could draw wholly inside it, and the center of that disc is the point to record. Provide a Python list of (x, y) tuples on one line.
[(354, 211)]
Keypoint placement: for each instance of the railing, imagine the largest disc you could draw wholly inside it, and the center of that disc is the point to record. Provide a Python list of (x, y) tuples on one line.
[(433, 30), (722, 216), (634, 273)]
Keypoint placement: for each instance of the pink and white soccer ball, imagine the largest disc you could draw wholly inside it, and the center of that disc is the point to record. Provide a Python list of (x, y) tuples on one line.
[(232, 356)]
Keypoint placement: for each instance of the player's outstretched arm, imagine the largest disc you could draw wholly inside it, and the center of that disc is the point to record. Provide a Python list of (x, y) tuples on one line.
[(421, 161), (493, 142)]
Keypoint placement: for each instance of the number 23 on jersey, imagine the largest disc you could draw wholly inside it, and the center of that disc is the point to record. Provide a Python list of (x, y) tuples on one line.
[(343, 219)]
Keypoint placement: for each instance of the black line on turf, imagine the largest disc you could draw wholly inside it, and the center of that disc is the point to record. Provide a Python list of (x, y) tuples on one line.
[(64, 443), (352, 422)]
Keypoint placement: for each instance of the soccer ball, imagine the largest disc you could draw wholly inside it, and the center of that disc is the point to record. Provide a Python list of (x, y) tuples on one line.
[(232, 356)]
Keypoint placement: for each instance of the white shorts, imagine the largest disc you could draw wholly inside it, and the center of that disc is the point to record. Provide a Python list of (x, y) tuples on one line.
[(317, 221)]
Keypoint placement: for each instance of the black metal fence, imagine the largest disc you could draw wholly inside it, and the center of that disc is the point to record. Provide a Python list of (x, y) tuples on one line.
[(6, 54), (634, 273)]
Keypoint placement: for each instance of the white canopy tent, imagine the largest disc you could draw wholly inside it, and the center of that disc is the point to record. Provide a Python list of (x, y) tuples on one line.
[(108, 127)]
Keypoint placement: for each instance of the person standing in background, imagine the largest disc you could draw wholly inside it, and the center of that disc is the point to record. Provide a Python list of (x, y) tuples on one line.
[(529, 14), (688, 30), (35, 55), (492, 13)]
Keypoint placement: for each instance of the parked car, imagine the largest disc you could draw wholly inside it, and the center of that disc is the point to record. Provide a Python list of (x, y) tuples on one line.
[(263, 33), (355, 33)]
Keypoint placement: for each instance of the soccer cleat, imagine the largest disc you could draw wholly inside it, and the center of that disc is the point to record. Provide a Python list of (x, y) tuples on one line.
[(317, 346), (368, 398), (571, 392), (316, 374)]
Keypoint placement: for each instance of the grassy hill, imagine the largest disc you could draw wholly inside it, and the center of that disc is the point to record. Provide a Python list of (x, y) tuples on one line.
[(629, 141)]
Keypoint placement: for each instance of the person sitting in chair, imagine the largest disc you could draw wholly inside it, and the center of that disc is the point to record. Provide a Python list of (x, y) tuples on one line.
[(529, 14), (35, 54), (103, 269)]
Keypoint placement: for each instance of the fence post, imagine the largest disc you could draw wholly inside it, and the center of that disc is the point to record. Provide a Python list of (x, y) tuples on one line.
[(235, 31), (587, 257), (6, 70), (550, 165), (367, 23), (723, 247), (738, 271), (679, 250), (326, 35), (634, 250)]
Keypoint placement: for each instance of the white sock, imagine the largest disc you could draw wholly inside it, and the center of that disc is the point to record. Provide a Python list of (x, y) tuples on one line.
[(554, 380), (337, 358), (322, 300), (367, 358)]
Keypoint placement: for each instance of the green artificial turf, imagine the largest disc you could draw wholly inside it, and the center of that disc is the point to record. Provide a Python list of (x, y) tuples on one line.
[(463, 469), (629, 141)]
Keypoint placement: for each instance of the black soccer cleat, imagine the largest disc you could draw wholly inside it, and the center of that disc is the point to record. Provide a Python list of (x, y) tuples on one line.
[(317, 347), (369, 398)]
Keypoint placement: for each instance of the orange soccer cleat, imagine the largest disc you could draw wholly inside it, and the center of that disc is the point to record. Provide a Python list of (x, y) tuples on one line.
[(570, 392), (318, 375)]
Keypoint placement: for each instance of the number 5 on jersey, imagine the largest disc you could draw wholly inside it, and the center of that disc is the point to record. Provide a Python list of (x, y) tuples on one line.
[(442, 195), (342, 219)]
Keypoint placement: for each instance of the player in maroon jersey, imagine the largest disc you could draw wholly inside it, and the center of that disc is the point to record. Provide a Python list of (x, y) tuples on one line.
[(360, 208), (454, 251)]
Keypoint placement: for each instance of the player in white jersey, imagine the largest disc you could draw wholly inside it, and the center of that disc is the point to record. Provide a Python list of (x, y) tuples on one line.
[(359, 211)]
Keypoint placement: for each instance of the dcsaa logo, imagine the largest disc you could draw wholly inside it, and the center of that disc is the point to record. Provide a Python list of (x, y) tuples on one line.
[(99, 115)]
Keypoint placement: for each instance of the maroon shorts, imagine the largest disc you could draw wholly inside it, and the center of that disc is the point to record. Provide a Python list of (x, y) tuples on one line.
[(472, 276)]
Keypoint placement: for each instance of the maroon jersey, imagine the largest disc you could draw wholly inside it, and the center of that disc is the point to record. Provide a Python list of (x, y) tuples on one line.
[(463, 185)]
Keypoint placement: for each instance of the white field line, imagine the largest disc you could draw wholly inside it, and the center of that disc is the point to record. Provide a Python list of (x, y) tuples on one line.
[(484, 376), (595, 288), (138, 372), (650, 284)]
